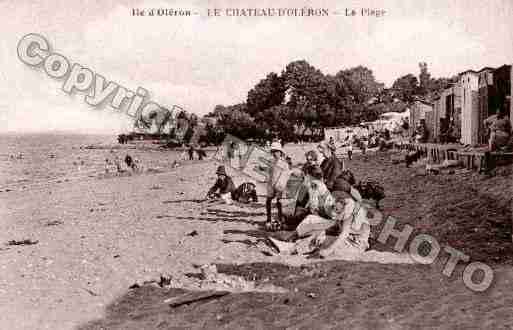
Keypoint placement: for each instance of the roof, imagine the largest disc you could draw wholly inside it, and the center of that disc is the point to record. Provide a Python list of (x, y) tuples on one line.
[(424, 102), (486, 68), (468, 71)]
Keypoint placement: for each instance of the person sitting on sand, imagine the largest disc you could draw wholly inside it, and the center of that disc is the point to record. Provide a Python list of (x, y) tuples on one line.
[(175, 164), (129, 161), (300, 210), (132, 163), (245, 193), (332, 169), (223, 186), (349, 219)]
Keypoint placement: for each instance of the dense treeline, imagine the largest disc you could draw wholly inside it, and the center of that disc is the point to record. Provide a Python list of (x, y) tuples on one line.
[(301, 101)]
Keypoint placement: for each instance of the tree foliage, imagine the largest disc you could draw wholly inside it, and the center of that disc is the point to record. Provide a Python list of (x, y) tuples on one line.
[(406, 87), (267, 93)]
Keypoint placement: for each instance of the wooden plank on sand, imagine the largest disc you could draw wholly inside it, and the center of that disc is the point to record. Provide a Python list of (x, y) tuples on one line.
[(195, 296)]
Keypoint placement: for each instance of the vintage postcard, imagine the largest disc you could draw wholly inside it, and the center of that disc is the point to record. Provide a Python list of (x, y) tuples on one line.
[(256, 164)]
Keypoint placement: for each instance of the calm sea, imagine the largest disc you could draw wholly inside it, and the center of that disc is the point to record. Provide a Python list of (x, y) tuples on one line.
[(31, 160)]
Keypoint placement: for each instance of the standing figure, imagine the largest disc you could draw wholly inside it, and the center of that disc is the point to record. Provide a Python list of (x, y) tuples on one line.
[(191, 152), (278, 166)]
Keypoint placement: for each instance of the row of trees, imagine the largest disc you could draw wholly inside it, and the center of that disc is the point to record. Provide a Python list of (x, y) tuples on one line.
[(298, 100), (408, 86), (303, 100)]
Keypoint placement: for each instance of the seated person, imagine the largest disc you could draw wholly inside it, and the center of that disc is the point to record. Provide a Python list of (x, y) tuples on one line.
[(223, 186), (371, 190), (132, 163), (333, 170), (500, 131), (316, 194), (302, 196), (349, 219), (129, 161), (245, 193)]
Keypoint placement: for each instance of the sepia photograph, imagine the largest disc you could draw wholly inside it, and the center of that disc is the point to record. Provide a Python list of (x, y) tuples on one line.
[(224, 164)]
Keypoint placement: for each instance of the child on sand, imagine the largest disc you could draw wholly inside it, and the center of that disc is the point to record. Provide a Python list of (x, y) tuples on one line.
[(223, 187), (274, 190)]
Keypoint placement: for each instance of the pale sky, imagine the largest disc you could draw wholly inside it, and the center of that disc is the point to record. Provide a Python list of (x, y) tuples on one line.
[(199, 61)]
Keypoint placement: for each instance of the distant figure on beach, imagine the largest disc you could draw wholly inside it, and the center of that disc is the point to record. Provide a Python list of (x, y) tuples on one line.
[(201, 153), (223, 187), (191, 152), (175, 164), (132, 163), (129, 161), (107, 165)]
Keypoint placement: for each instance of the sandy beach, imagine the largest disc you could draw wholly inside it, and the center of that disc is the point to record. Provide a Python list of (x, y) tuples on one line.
[(95, 236)]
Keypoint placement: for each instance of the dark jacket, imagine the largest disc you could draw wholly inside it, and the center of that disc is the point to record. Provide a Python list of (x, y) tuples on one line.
[(245, 192), (331, 170), (223, 185)]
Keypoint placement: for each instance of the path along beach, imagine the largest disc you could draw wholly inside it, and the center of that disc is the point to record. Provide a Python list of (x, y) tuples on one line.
[(97, 235)]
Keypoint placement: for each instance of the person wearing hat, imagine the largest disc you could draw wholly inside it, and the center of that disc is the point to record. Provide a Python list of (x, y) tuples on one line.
[(332, 168), (275, 187), (354, 219), (302, 196), (223, 187)]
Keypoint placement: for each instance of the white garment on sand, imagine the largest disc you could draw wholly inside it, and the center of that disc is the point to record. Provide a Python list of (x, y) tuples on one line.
[(320, 200), (227, 198), (313, 224)]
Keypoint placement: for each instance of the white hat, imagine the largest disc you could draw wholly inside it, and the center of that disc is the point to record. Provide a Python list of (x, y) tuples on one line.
[(276, 146)]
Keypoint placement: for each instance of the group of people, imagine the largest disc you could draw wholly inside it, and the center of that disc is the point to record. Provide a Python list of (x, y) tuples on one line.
[(327, 203), (199, 151), (127, 164)]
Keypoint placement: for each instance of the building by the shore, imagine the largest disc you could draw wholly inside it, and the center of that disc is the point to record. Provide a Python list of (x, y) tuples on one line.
[(458, 112), (469, 84), (418, 113), (487, 100)]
